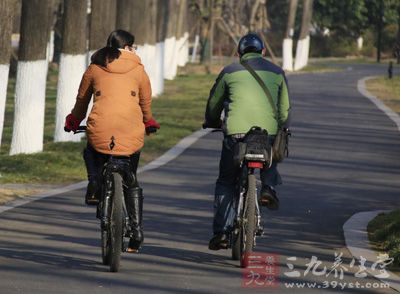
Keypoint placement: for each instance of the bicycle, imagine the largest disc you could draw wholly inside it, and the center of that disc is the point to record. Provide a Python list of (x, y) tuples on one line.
[(111, 209), (254, 152)]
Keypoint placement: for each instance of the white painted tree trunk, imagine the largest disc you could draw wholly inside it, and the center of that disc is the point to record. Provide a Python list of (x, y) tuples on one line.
[(71, 70), (170, 59), (50, 47), (158, 87), (183, 50), (287, 54), (302, 51), (4, 70), (30, 93), (147, 54), (195, 46), (360, 43)]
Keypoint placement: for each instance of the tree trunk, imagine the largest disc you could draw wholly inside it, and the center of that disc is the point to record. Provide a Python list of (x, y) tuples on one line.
[(72, 63), (30, 88), (380, 29), (53, 20), (7, 13), (253, 15), (397, 48), (170, 58), (102, 23), (161, 34), (145, 28), (182, 34), (287, 46), (124, 14), (303, 45), (206, 38)]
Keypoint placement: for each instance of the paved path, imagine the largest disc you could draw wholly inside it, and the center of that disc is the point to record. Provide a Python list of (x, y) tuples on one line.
[(344, 159)]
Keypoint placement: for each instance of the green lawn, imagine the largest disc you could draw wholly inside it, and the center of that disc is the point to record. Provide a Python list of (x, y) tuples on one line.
[(384, 233), (384, 230), (387, 90), (179, 110)]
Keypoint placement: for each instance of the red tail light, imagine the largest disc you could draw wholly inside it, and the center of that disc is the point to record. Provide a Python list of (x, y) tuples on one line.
[(255, 164)]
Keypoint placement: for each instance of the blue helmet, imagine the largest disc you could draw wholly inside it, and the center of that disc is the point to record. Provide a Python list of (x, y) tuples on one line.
[(250, 43)]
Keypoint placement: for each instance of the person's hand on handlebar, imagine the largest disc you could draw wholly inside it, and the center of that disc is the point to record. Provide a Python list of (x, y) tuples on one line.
[(71, 123), (151, 126)]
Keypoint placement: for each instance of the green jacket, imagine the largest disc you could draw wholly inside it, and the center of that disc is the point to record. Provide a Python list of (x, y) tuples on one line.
[(243, 100)]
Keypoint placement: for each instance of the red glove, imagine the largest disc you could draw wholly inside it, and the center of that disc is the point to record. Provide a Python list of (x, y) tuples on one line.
[(71, 123), (151, 126)]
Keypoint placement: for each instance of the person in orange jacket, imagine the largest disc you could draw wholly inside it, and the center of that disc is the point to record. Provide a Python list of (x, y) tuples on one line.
[(117, 123)]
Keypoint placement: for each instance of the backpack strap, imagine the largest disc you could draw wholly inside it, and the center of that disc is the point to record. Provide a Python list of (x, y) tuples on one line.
[(262, 84)]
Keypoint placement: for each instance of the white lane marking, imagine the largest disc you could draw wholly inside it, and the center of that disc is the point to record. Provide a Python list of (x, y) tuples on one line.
[(356, 239), (171, 154), (361, 86)]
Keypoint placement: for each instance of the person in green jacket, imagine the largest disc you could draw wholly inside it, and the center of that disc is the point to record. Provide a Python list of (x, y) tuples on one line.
[(244, 103)]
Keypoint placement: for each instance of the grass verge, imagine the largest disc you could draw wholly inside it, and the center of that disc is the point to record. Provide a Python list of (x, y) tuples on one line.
[(179, 111), (384, 230), (387, 90), (384, 234)]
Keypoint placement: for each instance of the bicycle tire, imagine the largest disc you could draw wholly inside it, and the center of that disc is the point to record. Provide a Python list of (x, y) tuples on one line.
[(116, 224), (105, 246), (236, 242), (249, 221)]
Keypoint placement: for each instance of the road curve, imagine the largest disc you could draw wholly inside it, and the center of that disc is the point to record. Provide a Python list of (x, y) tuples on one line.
[(344, 159)]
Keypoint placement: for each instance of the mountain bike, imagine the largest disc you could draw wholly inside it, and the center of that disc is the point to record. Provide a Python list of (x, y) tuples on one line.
[(252, 152), (111, 210)]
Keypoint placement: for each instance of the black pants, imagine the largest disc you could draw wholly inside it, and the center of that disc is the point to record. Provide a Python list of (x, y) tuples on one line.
[(95, 161)]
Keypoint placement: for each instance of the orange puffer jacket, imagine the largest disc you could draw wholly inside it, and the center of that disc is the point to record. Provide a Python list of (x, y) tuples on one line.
[(121, 105)]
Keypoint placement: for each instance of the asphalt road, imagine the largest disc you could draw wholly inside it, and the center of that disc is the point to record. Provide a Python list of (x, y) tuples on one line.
[(344, 159)]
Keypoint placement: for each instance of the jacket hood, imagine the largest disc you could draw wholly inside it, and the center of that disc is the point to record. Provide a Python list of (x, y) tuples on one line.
[(126, 62)]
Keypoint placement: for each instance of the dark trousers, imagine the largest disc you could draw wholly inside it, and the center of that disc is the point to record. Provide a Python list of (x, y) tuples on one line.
[(224, 211), (95, 161)]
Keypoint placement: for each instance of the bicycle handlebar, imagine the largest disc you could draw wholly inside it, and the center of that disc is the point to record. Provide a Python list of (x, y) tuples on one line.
[(80, 129)]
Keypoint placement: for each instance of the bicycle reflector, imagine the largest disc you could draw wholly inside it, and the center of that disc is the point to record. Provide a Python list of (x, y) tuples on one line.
[(255, 164)]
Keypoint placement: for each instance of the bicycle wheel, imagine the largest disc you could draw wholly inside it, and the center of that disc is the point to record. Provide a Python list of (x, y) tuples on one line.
[(116, 224), (249, 221)]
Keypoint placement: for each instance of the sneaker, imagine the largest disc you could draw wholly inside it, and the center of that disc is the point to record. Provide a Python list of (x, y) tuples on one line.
[(218, 241), (91, 195), (268, 198)]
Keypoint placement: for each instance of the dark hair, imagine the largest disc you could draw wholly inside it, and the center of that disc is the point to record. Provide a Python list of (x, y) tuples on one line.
[(116, 40), (105, 56), (120, 39)]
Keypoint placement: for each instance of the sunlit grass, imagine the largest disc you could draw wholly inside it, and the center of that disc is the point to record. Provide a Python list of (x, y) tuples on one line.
[(179, 110), (387, 90)]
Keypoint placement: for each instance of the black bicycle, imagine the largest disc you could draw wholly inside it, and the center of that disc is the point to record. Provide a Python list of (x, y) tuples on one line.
[(251, 153), (111, 210)]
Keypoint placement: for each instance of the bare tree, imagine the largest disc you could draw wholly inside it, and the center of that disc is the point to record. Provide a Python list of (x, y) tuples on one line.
[(303, 45), (7, 13), (31, 77), (72, 63), (287, 46)]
